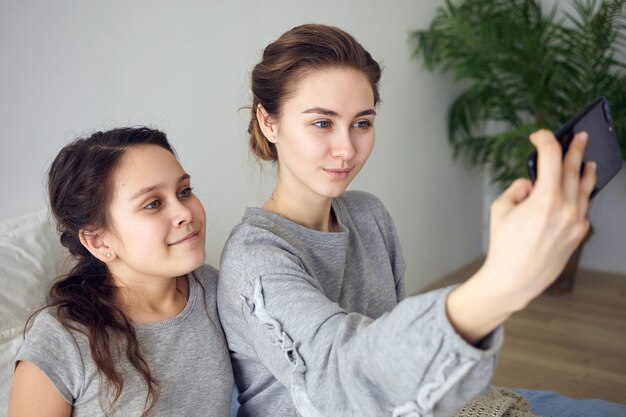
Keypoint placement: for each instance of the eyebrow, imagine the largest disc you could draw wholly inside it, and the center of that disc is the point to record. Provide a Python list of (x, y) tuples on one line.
[(327, 112), (156, 187)]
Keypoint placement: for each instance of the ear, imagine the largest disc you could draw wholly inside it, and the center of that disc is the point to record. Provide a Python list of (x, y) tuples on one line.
[(267, 123), (95, 243)]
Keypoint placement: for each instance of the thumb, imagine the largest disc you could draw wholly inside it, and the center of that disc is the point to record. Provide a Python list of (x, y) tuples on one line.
[(512, 196)]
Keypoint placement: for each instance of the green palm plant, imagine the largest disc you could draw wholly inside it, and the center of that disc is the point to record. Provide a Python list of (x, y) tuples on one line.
[(525, 69)]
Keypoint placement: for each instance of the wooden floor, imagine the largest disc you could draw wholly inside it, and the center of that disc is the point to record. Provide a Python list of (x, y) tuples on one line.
[(574, 344)]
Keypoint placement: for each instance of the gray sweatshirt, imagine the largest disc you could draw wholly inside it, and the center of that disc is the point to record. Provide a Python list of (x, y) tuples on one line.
[(186, 354), (316, 324)]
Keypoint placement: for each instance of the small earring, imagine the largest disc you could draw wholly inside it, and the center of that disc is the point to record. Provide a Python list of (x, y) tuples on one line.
[(273, 140), (108, 255)]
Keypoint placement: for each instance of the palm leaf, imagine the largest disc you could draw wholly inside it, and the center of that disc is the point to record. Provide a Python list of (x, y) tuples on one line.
[(526, 69)]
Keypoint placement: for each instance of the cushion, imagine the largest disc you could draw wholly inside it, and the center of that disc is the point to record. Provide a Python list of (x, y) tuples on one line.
[(31, 257)]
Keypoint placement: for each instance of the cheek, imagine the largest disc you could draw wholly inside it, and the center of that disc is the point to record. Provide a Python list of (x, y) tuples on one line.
[(364, 147), (120, 233), (142, 233), (302, 141), (198, 210), (314, 149)]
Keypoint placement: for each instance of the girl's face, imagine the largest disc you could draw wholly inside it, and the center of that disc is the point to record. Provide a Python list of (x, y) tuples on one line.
[(157, 223), (325, 132)]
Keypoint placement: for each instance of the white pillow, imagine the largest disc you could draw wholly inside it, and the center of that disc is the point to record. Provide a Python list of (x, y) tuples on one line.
[(31, 257)]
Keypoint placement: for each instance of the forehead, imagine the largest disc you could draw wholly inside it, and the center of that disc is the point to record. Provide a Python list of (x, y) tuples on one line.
[(334, 88), (143, 166)]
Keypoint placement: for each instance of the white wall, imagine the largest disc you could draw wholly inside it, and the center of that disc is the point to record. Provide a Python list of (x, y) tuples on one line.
[(606, 249), (69, 67)]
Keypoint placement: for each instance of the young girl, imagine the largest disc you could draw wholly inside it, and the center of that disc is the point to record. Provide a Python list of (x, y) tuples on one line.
[(311, 292), (133, 329)]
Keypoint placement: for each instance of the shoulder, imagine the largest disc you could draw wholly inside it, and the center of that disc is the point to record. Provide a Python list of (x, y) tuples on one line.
[(57, 351), (257, 226), (360, 201), (47, 324), (260, 239), (360, 197), (206, 274), (366, 215), (260, 245), (207, 277), (48, 333), (363, 208)]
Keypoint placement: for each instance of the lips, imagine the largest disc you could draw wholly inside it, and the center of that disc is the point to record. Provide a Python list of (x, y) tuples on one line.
[(340, 173), (190, 237)]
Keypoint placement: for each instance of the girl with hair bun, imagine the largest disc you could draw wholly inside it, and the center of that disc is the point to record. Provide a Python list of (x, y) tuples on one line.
[(311, 290), (133, 329)]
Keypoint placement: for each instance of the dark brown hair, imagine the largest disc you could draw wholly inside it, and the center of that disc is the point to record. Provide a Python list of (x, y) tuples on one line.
[(80, 190), (286, 60)]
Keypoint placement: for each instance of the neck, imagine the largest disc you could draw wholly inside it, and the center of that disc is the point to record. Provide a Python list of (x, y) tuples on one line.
[(308, 210), (152, 301)]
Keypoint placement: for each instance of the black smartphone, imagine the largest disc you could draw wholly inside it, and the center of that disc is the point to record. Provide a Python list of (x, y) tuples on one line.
[(602, 145)]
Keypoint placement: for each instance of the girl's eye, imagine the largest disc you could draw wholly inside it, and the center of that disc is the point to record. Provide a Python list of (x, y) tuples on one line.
[(362, 124), (153, 205), (322, 124), (185, 192)]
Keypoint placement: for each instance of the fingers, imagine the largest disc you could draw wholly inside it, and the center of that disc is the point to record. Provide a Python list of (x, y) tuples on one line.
[(571, 167), (549, 157), (587, 184), (517, 192), (556, 178)]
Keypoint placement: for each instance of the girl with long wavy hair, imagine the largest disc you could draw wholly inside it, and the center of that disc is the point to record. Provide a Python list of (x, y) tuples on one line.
[(132, 330)]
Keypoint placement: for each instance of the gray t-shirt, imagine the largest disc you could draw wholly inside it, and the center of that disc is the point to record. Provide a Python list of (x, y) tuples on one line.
[(316, 324), (186, 354)]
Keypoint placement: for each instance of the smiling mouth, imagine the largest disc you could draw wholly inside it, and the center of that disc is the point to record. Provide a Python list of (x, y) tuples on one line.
[(338, 173), (189, 238)]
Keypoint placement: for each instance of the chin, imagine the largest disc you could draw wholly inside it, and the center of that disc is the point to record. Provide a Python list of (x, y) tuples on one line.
[(193, 264), (334, 192)]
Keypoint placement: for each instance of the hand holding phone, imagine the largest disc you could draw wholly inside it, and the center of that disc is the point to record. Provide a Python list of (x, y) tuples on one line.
[(602, 146), (533, 231)]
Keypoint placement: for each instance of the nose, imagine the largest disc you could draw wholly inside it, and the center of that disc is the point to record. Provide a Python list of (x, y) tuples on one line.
[(342, 147), (181, 214)]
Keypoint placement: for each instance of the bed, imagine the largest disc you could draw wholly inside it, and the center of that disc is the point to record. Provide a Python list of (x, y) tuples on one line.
[(31, 256)]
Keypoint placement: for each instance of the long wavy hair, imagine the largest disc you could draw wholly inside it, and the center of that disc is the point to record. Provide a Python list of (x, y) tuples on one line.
[(80, 190)]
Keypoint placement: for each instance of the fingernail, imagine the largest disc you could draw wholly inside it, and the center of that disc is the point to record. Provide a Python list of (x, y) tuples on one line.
[(582, 137), (592, 165)]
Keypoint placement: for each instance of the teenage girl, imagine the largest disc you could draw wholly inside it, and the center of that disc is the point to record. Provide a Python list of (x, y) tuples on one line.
[(311, 291), (133, 329)]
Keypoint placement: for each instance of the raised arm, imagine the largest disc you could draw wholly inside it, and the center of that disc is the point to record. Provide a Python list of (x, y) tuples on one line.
[(34, 394), (534, 230)]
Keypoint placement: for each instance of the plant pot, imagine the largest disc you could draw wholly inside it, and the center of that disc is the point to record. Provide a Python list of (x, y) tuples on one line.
[(565, 281)]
